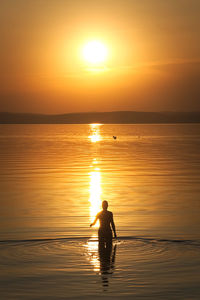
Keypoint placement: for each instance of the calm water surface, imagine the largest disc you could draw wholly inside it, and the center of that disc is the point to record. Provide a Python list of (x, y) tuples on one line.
[(53, 179)]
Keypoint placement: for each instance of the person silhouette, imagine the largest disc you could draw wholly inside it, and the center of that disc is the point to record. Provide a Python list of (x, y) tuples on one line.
[(105, 218)]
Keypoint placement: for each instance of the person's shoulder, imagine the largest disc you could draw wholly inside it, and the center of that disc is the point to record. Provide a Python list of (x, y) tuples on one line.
[(110, 212)]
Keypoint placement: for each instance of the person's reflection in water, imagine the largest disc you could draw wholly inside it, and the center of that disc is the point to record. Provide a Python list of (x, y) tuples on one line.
[(105, 236), (107, 263)]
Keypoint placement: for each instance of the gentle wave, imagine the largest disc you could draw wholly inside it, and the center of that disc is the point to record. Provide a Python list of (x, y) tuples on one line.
[(93, 239)]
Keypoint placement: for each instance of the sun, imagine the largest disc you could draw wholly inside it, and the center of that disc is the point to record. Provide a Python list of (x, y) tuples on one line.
[(95, 52)]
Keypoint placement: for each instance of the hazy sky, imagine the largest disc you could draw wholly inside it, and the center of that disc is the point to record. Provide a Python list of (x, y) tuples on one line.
[(153, 59)]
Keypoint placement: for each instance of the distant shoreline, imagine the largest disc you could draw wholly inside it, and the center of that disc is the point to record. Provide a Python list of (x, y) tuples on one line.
[(115, 117)]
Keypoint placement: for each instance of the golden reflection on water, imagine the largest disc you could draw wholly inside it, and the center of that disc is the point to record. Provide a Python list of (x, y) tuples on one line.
[(95, 176), (102, 259), (95, 133), (92, 253), (95, 193)]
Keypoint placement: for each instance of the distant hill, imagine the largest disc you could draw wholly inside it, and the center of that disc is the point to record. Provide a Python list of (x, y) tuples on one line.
[(115, 117)]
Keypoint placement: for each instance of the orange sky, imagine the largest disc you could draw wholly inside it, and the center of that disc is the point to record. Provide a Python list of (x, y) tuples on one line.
[(153, 62)]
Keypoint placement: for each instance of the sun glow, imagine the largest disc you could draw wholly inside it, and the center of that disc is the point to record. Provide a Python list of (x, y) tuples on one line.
[(95, 52)]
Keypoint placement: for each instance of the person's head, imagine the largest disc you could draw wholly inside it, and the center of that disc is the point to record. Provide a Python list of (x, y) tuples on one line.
[(105, 205)]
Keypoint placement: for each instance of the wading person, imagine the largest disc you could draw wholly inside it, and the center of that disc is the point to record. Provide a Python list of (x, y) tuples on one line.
[(106, 222)]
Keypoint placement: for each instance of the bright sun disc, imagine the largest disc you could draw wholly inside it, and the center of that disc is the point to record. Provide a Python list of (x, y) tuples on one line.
[(95, 52)]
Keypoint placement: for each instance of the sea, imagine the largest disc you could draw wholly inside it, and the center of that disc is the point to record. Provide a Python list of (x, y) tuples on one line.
[(53, 179)]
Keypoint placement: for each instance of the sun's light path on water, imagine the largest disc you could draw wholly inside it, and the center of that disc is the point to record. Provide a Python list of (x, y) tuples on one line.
[(95, 193), (95, 133), (95, 176), (92, 253)]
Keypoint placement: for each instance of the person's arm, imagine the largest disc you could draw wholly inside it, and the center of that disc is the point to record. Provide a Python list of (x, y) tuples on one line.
[(92, 224), (113, 226)]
